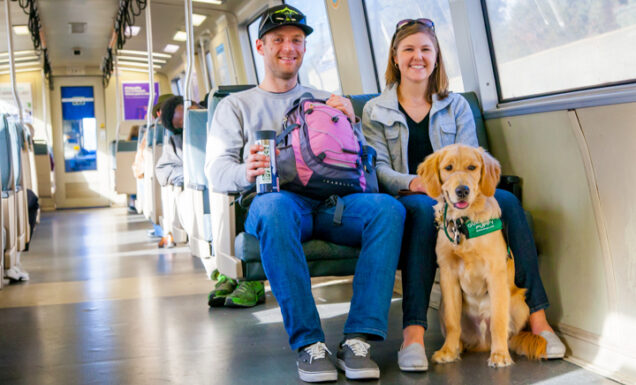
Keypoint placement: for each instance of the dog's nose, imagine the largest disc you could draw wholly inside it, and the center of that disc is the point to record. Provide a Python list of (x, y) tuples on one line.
[(462, 191)]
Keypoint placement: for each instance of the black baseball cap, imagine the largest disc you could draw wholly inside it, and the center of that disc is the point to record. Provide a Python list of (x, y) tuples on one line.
[(281, 15)]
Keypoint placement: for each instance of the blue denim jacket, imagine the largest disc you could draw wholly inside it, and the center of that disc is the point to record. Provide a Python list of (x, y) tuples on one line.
[(384, 126)]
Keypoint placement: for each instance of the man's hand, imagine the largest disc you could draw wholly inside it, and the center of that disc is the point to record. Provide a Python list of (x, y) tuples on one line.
[(343, 104), (256, 163), (417, 185)]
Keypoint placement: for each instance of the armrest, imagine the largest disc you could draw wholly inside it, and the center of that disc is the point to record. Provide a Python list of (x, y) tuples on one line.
[(511, 183), (224, 229)]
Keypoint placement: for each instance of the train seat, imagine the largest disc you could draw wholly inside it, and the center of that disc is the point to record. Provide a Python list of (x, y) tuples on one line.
[(9, 219), (238, 253), (45, 187), (122, 157), (139, 200), (16, 131), (196, 186)]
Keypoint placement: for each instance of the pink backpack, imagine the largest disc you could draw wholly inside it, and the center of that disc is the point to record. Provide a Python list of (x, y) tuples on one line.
[(322, 153)]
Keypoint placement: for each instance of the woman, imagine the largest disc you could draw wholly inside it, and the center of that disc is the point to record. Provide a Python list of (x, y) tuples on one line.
[(414, 116)]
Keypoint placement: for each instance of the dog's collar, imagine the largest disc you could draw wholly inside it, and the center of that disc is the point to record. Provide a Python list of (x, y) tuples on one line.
[(467, 227)]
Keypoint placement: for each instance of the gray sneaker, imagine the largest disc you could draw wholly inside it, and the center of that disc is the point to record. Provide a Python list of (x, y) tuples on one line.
[(314, 365), (354, 358)]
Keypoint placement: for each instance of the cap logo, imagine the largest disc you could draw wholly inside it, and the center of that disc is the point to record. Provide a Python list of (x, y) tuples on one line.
[(287, 13)]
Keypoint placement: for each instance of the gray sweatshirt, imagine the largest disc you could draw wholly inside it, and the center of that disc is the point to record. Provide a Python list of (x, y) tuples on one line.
[(169, 168), (231, 133)]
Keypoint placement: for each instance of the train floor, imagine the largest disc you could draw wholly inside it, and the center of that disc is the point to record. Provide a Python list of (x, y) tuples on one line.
[(104, 305)]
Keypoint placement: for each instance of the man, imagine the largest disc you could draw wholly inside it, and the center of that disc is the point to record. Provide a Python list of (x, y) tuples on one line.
[(282, 220)]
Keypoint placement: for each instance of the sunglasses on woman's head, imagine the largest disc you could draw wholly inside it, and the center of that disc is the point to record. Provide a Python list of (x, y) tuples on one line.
[(425, 22)]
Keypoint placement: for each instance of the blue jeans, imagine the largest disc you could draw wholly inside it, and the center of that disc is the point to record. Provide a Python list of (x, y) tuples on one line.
[(419, 262), (375, 222)]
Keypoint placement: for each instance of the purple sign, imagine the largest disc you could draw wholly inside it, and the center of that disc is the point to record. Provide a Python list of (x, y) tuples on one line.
[(136, 100)]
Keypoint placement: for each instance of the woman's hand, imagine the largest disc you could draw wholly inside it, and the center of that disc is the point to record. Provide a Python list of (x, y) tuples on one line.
[(343, 104), (417, 185)]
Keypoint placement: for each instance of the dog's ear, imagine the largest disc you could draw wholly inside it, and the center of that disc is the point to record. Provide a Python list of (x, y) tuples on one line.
[(429, 172), (490, 173)]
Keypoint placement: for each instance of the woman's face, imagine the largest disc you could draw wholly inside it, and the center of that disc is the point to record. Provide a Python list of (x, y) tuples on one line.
[(415, 58)]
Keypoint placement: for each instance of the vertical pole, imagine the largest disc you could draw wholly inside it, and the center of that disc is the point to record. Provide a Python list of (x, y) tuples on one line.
[(11, 62), (151, 77), (190, 56), (204, 65), (118, 96)]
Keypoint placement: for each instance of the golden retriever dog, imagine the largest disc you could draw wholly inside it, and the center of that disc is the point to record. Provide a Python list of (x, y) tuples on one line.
[(481, 306)]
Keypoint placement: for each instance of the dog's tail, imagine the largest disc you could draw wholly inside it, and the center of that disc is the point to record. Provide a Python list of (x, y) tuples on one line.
[(528, 344)]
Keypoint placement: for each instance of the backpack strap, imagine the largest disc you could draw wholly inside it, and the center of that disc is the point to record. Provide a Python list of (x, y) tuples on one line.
[(336, 201)]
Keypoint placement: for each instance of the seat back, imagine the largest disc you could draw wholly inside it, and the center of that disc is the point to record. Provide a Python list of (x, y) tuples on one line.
[(17, 140), (194, 141), (6, 159), (125, 182)]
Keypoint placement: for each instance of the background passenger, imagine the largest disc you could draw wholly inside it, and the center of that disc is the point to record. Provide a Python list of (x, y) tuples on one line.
[(283, 220), (428, 117)]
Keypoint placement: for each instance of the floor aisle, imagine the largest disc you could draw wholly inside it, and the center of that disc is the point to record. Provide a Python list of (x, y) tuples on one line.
[(105, 306)]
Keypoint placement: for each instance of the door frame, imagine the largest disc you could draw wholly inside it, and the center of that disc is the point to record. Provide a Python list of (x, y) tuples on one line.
[(98, 180)]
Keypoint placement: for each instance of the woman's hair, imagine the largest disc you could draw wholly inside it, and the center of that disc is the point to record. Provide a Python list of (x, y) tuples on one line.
[(134, 132), (437, 81), (167, 111)]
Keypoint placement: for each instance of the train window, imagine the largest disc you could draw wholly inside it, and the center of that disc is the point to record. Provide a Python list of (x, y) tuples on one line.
[(252, 31), (383, 15), (175, 85), (210, 67), (80, 129), (319, 68), (547, 47)]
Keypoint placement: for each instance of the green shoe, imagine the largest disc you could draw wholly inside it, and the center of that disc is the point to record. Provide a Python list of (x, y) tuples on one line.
[(224, 287), (247, 294)]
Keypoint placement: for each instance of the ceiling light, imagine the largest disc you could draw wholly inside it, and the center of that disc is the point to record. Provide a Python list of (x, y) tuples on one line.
[(172, 48), (21, 29), (134, 69), (132, 30), (142, 59), (198, 19), (21, 70), (135, 64), (142, 53), (217, 2), (25, 64), (180, 36), (19, 59), (18, 53)]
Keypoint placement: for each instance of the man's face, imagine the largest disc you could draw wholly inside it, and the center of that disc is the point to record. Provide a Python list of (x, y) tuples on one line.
[(177, 118), (283, 49)]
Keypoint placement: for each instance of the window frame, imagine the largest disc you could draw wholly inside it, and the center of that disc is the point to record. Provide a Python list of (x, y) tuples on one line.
[(252, 44), (370, 40), (495, 69)]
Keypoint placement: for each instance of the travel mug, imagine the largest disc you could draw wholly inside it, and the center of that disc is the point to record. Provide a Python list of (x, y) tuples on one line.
[(267, 182)]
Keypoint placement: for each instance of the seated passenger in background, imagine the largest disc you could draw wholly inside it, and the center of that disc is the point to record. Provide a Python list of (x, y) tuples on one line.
[(281, 221), (134, 133), (138, 163), (414, 116)]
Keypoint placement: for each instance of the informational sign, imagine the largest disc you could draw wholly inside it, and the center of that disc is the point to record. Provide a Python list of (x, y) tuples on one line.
[(77, 103), (8, 105), (136, 100)]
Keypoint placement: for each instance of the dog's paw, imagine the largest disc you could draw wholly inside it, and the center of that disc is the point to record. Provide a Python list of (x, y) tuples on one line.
[(446, 355), (500, 359)]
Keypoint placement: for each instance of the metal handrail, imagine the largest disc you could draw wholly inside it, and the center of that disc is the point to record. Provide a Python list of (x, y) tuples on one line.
[(151, 77), (14, 87)]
